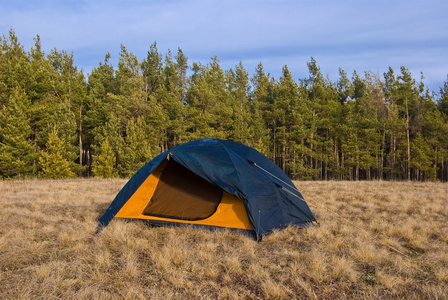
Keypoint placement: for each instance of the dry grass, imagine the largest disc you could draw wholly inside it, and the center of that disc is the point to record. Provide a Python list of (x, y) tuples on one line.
[(375, 240)]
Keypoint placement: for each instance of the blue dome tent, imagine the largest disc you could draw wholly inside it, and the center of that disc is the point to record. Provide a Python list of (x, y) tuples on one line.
[(213, 183)]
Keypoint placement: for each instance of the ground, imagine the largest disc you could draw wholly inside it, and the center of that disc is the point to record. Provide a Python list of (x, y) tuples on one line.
[(374, 240)]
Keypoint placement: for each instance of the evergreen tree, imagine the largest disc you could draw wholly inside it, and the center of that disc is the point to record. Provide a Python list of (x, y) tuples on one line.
[(435, 132), (407, 98), (355, 128), (152, 70), (17, 156), (40, 85), (443, 101), (422, 158), (239, 93), (64, 120), (102, 87), (170, 97), (344, 86), (396, 126), (113, 132), (102, 80), (366, 125), (286, 96), (14, 73), (260, 106), (51, 160), (326, 108), (43, 94), (71, 94), (350, 144), (303, 126), (209, 111), (105, 162), (137, 147), (314, 87), (377, 121), (131, 86)]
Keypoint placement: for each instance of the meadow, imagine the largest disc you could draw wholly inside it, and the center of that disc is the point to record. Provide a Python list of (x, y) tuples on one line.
[(375, 240)]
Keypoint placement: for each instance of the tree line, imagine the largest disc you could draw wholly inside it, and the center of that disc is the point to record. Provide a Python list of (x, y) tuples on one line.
[(55, 122)]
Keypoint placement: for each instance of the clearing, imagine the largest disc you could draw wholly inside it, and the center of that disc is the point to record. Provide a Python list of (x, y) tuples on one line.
[(375, 240)]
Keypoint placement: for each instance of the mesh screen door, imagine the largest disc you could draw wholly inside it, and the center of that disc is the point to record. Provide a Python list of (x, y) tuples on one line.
[(181, 194)]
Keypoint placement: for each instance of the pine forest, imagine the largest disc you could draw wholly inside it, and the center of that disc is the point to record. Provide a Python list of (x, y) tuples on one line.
[(57, 122)]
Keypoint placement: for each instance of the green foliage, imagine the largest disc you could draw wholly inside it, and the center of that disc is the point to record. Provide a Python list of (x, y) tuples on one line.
[(137, 147), (51, 160), (56, 123), (105, 162), (443, 101), (422, 158), (17, 156)]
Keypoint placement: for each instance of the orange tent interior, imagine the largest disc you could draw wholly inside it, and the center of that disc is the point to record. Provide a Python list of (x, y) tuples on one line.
[(174, 194)]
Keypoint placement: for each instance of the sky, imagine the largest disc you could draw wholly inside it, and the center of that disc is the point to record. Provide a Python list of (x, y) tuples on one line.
[(349, 34)]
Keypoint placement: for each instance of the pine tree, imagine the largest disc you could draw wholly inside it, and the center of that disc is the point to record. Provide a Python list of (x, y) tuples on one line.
[(376, 124), (239, 91), (152, 70), (314, 87), (14, 73), (170, 98), (325, 106), (435, 132), (102, 80), (366, 126), (344, 86), (105, 162), (70, 91), (138, 148), (64, 119), (51, 160), (358, 128), (43, 94), (350, 144), (181, 83), (17, 157), (443, 101), (422, 158), (209, 112), (40, 84), (113, 132), (260, 101), (285, 97), (407, 98), (102, 86), (395, 127)]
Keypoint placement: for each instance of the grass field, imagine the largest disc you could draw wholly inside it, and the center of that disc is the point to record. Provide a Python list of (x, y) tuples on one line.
[(376, 240)]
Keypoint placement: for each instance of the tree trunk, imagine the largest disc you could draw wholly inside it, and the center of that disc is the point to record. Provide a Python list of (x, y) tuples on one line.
[(275, 142), (381, 171), (284, 158), (408, 141), (336, 154), (80, 135), (393, 149), (442, 178)]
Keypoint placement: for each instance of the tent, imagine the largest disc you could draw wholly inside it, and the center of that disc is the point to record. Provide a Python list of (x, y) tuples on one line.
[(212, 183)]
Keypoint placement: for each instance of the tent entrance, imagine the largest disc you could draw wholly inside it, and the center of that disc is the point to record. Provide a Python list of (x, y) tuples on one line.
[(181, 194)]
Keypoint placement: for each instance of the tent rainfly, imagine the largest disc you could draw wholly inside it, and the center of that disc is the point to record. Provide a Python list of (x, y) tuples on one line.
[(212, 183)]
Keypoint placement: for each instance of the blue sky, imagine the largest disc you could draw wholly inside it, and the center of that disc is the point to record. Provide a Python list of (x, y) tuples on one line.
[(352, 35)]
